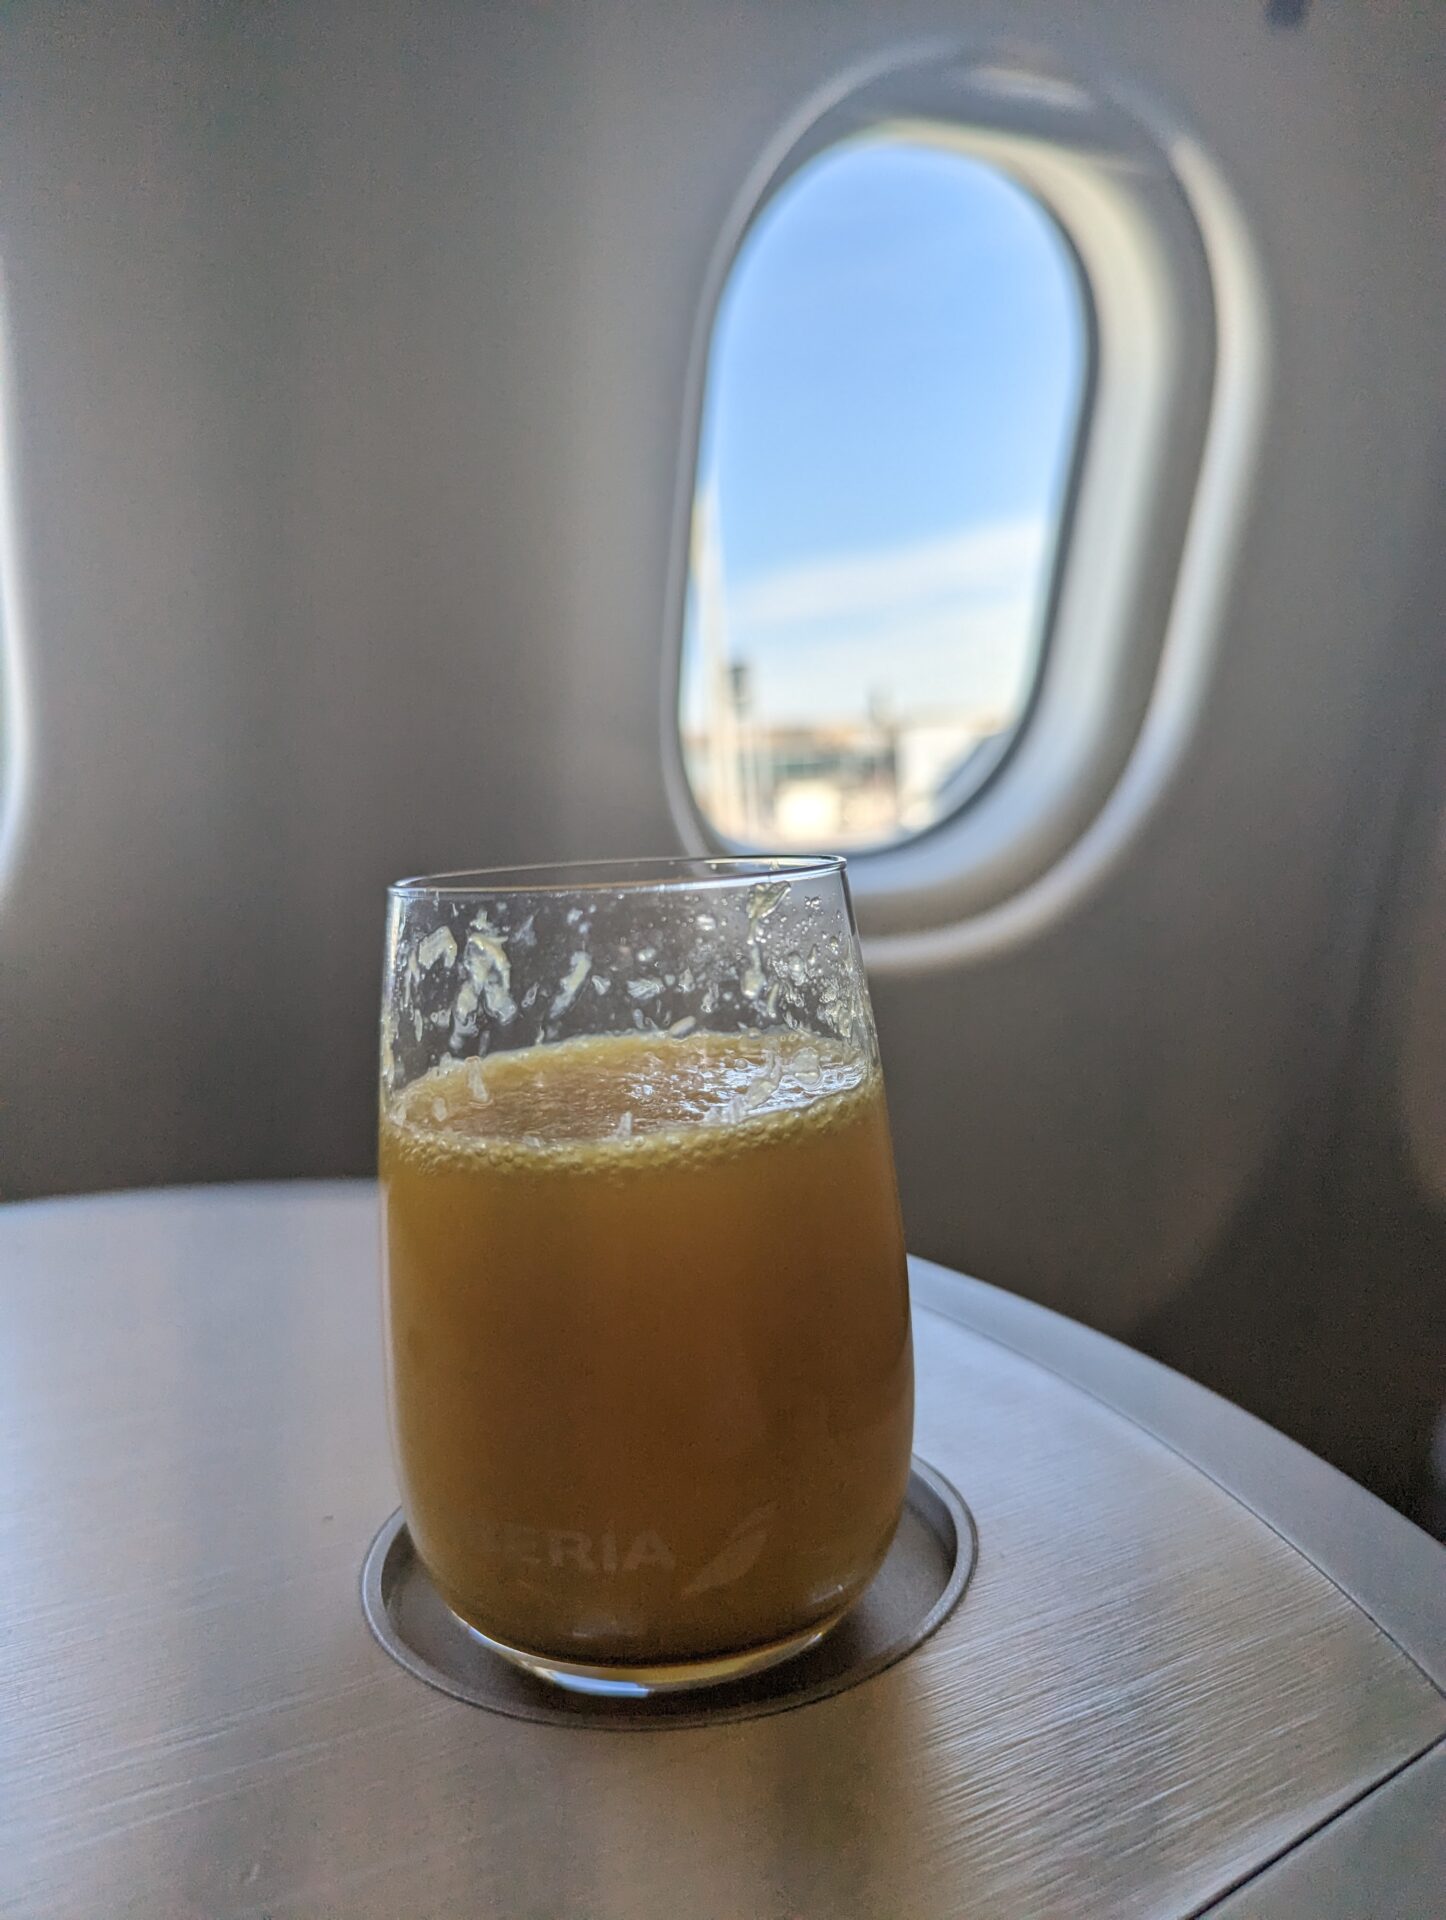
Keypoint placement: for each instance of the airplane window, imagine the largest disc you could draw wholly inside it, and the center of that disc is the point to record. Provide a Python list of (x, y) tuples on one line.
[(893, 398)]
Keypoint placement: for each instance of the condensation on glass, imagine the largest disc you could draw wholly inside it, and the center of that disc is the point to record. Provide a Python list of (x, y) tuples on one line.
[(893, 400)]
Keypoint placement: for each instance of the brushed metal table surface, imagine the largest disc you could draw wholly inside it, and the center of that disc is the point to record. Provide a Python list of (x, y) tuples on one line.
[(1148, 1694)]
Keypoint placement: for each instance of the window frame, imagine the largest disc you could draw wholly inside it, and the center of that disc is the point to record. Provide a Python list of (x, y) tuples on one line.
[(1132, 204)]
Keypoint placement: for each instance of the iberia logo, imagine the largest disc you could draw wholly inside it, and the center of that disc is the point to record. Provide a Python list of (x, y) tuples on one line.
[(609, 1552)]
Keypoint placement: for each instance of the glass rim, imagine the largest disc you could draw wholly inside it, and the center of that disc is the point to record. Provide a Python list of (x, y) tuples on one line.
[(653, 874)]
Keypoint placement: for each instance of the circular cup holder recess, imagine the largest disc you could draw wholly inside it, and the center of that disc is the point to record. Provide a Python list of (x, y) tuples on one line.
[(920, 1583)]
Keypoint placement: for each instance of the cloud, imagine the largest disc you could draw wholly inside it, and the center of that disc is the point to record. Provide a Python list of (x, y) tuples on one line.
[(894, 586), (945, 625), (961, 660)]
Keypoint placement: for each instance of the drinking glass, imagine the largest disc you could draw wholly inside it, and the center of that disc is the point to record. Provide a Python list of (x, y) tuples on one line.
[(650, 1367)]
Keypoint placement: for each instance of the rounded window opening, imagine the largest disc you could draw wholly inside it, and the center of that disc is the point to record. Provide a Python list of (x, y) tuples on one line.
[(892, 407)]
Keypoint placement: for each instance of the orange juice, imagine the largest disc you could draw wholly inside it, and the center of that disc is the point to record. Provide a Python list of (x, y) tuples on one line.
[(651, 1373)]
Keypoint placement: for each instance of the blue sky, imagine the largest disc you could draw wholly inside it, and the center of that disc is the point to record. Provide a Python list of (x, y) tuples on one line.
[(891, 399)]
